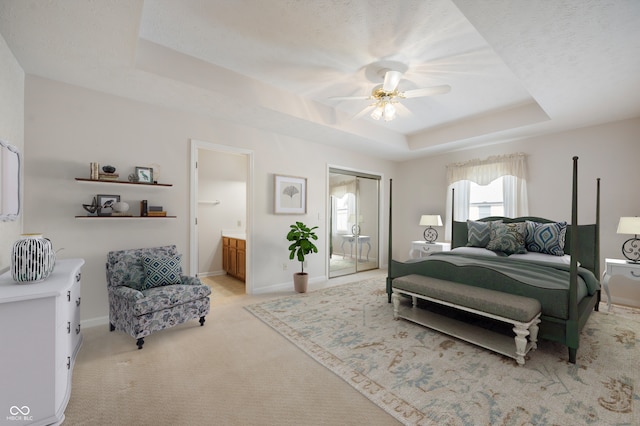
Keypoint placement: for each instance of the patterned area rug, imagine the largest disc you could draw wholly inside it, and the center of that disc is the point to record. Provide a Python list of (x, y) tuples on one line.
[(422, 377)]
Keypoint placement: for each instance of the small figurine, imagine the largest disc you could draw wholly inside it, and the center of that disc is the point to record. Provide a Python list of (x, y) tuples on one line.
[(93, 207)]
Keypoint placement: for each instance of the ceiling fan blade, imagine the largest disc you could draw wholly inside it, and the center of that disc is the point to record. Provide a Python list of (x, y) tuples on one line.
[(363, 112), (402, 110), (391, 80), (349, 98), (427, 91)]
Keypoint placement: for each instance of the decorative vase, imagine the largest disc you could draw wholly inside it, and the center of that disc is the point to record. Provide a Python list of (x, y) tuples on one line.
[(32, 259), (300, 281)]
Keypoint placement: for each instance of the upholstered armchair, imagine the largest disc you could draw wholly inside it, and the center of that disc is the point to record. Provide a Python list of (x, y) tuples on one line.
[(148, 293)]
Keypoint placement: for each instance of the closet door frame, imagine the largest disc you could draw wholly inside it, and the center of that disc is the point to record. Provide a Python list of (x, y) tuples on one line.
[(358, 173)]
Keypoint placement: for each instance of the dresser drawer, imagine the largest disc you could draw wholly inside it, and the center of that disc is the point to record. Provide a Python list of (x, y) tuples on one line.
[(430, 248), (422, 248), (627, 270)]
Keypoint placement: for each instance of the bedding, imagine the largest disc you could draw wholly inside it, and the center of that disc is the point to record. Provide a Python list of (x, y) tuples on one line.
[(544, 281), (565, 259)]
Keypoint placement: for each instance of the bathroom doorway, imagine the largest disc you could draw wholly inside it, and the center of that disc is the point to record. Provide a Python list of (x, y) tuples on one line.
[(354, 222), (221, 210)]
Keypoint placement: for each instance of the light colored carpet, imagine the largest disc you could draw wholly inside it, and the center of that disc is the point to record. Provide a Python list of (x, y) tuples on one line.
[(233, 371), (423, 377)]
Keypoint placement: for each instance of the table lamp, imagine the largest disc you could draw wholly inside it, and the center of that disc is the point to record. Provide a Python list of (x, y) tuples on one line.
[(430, 220), (631, 247)]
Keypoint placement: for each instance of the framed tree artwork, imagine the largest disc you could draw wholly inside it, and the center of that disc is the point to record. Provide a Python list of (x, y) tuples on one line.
[(290, 195)]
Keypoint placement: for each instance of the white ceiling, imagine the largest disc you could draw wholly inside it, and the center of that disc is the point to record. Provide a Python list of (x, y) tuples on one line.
[(517, 68)]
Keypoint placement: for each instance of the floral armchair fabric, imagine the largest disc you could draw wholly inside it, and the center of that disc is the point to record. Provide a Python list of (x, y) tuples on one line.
[(148, 293)]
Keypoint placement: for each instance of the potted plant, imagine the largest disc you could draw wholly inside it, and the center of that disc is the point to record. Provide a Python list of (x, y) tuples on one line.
[(300, 236)]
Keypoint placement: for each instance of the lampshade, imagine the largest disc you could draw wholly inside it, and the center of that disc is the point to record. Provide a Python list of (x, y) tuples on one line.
[(430, 220), (352, 218), (631, 247), (629, 225), (377, 113)]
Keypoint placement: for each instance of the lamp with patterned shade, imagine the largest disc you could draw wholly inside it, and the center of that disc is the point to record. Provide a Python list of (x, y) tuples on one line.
[(631, 247), (430, 220)]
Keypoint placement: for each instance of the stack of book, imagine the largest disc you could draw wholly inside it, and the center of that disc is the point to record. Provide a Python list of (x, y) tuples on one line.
[(108, 176), (156, 211)]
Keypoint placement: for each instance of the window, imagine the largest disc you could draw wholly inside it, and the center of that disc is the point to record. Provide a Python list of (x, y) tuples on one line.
[(486, 200), (495, 186), (342, 212)]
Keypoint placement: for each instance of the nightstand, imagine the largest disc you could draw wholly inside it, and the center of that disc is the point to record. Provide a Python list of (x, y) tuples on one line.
[(628, 293), (423, 248)]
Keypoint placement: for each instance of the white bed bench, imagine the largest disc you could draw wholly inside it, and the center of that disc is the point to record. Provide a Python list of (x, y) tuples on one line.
[(522, 312)]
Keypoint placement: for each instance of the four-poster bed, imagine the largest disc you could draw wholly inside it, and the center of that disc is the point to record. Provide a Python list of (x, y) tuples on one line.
[(567, 292)]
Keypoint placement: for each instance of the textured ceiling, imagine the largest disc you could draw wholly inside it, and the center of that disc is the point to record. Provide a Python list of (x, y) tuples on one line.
[(516, 67)]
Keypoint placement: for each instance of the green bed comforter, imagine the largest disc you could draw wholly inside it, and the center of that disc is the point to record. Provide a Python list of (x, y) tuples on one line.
[(544, 281)]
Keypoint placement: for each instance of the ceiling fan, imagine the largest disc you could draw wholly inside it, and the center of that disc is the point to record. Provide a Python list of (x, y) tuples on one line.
[(385, 95)]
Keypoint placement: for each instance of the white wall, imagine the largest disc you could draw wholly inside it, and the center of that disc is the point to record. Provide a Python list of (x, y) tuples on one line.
[(222, 177), (609, 151), (68, 127), (11, 131)]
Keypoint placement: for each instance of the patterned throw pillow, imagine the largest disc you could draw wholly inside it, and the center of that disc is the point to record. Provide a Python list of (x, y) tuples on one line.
[(546, 238), (479, 233), (508, 238), (161, 270)]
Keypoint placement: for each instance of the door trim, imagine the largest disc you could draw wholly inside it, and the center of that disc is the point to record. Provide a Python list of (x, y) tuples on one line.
[(193, 234), (335, 168)]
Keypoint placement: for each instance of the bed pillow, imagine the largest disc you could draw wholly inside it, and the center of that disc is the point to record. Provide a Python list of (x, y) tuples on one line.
[(161, 270), (542, 257), (479, 233), (546, 238), (479, 251), (508, 238)]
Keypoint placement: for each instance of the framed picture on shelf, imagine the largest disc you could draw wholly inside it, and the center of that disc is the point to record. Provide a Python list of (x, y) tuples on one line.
[(144, 174), (290, 195), (105, 204)]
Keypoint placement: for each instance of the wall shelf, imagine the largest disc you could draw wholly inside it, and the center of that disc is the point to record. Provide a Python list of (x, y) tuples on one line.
[(122, 182), (126, 217)]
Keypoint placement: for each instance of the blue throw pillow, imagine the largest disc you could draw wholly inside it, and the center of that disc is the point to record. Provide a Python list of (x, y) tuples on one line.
[(546, 238), (161, 270), (508, 238)]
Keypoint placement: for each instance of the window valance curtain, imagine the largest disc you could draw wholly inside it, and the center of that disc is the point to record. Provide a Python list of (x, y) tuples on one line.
[(483, 172), (513, 167)]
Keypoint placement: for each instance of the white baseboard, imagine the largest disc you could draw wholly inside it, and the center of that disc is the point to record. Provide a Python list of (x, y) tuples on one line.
[(211, 273), (94, 322)]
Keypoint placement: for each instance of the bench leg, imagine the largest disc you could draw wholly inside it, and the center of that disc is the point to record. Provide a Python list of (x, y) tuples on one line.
[(533, 336), (395, 298), (521, 342)]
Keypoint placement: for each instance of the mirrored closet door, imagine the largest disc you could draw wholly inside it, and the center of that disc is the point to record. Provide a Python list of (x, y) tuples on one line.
[(354, 222)]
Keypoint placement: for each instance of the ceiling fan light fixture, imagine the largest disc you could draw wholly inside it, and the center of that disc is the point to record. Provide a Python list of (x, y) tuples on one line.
[(389, 112), (377, 113)]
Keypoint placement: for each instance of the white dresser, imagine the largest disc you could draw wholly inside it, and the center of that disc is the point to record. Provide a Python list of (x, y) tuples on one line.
[(39, 340)]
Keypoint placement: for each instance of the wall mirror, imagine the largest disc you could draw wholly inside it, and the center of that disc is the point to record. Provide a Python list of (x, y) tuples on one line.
[(9, 182)]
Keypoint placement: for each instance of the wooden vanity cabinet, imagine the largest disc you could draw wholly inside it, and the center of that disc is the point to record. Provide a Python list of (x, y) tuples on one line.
[(234, 257)]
